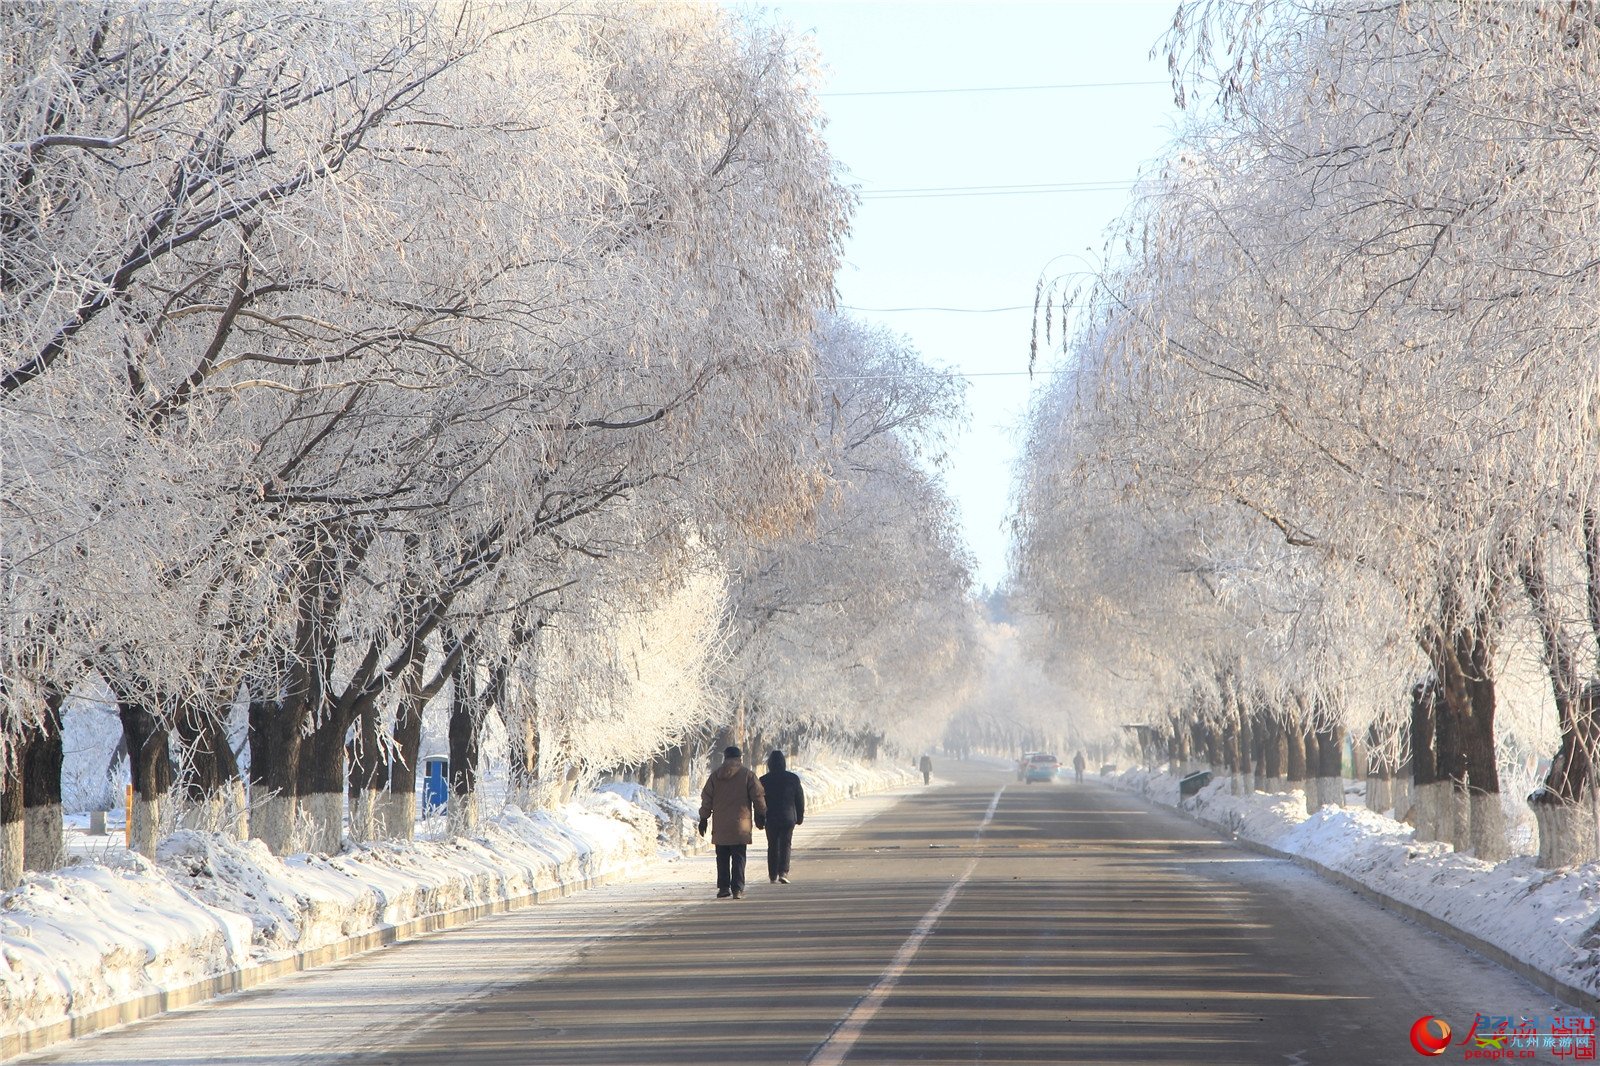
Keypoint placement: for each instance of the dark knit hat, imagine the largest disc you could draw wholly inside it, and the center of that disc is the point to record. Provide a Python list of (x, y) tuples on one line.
[(731, 752), (776, 761)]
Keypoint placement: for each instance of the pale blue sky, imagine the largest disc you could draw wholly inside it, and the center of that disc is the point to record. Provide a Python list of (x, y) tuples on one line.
[(984, 251)]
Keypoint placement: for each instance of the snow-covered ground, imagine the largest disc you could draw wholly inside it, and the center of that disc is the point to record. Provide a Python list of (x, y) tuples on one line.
[(81, 945), (1544, 918)]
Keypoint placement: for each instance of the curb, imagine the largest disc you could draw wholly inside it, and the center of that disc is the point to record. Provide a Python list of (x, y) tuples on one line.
[(1572, 994)]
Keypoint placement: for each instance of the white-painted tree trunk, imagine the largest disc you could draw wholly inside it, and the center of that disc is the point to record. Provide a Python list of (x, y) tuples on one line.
[(324, 813), (1404, 795), (272, 820), (366, 816), (462, 812), (222, 811), (400, 815), (1566, 834), (44, 841), (145, 822), (10, 854), (1330, 792), (1458, 809), (1490, 841), (1425, 811)]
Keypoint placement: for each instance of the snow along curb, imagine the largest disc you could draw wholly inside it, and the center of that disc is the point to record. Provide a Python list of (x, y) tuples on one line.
[(55, 914), (1540, 976)]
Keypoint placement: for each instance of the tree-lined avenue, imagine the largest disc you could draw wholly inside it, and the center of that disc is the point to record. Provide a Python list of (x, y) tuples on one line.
[(1092, 928)]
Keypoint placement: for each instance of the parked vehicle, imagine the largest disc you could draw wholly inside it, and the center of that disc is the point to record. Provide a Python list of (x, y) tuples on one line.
[(1042, 766)]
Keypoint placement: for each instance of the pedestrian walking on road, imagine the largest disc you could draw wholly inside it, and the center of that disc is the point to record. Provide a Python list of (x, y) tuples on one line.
[(786, 808), (1077, 766), (926, 766), (732, 792)]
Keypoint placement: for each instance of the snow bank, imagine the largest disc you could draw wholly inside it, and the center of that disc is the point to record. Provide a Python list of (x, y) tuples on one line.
[(1545, 918), (81, 944)]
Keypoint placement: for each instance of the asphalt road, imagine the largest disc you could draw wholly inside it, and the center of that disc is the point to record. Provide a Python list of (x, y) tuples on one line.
[(978, 920)]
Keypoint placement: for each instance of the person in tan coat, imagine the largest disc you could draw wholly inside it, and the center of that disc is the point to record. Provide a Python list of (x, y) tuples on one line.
[(732, 792)]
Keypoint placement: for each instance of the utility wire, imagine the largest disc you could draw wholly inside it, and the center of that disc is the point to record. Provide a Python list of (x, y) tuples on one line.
[(1002, 88), (949, 374), (955, 310), (1002, 188), (1123, 187)]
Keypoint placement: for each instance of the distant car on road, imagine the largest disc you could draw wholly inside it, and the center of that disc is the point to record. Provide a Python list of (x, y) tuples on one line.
[(1041, 766), (1022, 764)]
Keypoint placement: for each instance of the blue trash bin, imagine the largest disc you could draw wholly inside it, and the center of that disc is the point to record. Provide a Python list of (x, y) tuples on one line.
[(435, 784)]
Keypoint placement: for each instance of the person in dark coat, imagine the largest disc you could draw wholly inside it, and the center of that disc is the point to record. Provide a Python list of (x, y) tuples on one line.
[(732, 792), (926, 766), (786, 808)]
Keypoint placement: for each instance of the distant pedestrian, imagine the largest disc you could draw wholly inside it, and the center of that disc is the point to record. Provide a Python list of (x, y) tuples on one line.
[(1078, 764), (731, 793), (786, 808), (926, 766)]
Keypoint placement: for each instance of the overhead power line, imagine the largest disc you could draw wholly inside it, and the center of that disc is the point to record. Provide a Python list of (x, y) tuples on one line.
[(942, 192), (1003, 188), (949, 374), (1002, 88), (954, 310)]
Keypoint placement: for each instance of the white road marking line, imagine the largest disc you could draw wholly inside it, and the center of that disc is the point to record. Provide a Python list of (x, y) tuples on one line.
[(832, 1051)]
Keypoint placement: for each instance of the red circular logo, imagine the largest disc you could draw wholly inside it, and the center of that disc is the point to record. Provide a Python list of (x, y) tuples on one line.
[(1430, 1035)]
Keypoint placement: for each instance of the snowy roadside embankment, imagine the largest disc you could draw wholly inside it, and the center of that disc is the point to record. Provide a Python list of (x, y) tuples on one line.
[(1545, 919), (97, 943)]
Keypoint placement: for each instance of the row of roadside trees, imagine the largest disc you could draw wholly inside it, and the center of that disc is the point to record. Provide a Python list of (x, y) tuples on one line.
[(1322, 472), (366, 360)]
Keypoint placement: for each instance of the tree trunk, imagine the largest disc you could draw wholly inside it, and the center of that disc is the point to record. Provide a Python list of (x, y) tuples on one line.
[(1450, 718), (1294, 747), (322, 784), (400, 817), (1313, 770), (1565, 818), (1180, 749), (275, 743), (1425, 777), (44, 842), (1232, 754), (1274, 751), (522, 740), (1489, 836), (151, 764), (465, 719), (680, 757), (209, 787), (368, 776), (1248, 751), (1379, 773), (1330, 765), (13, 754)]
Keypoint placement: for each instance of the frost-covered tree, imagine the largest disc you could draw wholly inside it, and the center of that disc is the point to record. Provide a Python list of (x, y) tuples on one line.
[(859, 628), (364, 322), (1350, 312)]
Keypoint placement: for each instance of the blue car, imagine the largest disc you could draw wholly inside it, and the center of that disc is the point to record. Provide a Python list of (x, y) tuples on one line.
[(1041, 766)]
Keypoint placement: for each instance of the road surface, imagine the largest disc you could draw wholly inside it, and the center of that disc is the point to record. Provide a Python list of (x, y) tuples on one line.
[(976, 920)]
